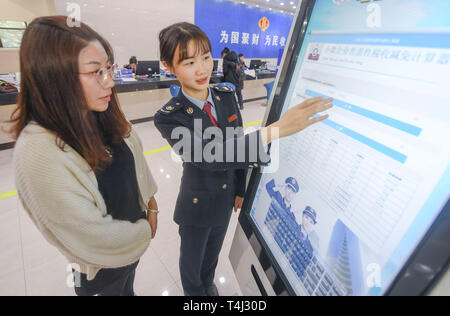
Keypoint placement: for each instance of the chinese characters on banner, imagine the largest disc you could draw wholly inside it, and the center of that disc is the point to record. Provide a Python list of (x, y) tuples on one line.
[(227, 37), (254, 32)]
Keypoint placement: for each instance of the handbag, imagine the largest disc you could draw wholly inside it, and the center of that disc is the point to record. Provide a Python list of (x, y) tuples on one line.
[(6, 87)]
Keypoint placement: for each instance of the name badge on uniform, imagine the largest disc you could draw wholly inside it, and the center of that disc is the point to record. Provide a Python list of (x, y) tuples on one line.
[(232, 118)]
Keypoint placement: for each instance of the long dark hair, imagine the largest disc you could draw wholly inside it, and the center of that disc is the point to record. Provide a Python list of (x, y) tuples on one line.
[(52, 95)]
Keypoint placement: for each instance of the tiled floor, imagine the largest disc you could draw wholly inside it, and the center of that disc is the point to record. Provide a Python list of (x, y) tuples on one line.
[(30, 266)]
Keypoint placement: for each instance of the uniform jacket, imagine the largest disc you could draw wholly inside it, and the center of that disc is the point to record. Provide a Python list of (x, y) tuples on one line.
[(208, 189), (277, 196)]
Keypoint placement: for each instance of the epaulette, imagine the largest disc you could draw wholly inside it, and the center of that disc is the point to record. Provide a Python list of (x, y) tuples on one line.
[(223, 88), (171, 107)]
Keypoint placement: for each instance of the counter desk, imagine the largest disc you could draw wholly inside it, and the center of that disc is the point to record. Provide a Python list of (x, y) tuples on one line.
[(141, 99)]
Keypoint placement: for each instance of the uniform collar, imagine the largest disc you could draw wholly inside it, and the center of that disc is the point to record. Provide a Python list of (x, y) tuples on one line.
[(305, 237), (192, 109), (199, 103)]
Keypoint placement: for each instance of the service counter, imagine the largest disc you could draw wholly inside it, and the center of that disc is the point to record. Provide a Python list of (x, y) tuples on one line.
[(141, 99)]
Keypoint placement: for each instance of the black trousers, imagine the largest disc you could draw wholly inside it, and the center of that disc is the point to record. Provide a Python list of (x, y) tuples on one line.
[(239, 96), (199, 255), (108, 282)]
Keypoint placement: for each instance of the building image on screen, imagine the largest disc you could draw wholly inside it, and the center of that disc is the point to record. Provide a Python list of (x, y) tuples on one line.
[(355, 194), (344, 256)]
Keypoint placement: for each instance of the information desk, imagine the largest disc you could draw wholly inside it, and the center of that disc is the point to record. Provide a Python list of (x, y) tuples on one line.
[(147, 84), (142, 98)]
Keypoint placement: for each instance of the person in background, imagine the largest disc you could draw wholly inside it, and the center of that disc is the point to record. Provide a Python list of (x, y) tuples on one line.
[(242, 61), (211, 189), (231, 68), (225, 52), (80, 171), (132, 64), (242, 75)]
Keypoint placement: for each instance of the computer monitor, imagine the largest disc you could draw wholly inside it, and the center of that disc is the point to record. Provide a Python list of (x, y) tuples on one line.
[(149, 68), (255, 64), (349, 204)]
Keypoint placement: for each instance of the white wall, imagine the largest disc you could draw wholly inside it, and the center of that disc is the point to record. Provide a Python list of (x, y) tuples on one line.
[(25, 10), (9, 60), (132, 27)]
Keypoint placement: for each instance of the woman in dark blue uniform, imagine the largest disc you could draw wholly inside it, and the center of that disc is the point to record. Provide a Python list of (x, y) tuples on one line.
[(211, 188)]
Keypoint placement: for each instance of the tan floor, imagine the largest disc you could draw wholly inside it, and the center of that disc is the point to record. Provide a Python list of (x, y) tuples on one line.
[(30, 266)]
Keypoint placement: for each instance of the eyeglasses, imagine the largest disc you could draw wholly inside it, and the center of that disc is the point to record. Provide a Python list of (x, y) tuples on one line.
[(102, 74)]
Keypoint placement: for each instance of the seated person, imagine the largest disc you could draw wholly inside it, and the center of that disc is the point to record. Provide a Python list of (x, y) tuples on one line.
[(132, 64)]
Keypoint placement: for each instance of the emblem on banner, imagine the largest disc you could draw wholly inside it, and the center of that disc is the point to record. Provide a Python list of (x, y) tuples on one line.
[(264, 24)]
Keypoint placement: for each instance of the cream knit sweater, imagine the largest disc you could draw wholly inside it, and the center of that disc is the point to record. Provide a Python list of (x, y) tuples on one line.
[(60, 193)]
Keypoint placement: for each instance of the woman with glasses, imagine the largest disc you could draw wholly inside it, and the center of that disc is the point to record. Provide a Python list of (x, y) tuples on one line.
[(79, 167)]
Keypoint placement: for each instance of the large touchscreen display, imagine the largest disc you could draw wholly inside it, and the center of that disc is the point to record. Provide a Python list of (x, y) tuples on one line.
[(353, 196)]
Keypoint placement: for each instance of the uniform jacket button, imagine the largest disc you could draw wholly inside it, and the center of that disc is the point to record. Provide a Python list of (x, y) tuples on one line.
[(224, 186), (195, 201)]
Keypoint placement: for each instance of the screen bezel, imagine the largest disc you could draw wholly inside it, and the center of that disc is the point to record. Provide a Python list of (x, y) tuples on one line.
[(410, 280)]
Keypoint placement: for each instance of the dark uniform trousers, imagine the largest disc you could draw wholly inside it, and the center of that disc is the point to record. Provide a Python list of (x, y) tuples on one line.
[(199, 255), (208, 189)]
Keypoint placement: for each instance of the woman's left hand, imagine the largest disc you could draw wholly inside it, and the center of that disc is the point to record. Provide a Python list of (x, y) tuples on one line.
[(153, 217), (238, 203)]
